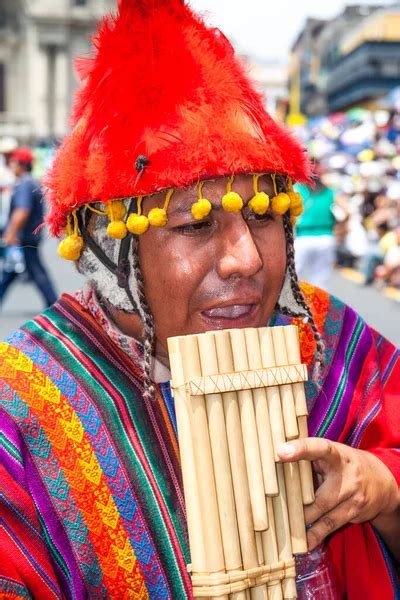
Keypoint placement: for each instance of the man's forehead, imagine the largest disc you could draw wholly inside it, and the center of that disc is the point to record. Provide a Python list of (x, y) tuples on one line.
[(213, 190)]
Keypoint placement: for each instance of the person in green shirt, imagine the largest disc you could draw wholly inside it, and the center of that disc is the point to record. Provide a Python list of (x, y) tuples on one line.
[(315, 240)]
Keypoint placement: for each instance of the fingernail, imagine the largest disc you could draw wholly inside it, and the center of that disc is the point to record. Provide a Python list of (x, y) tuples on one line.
[(287, 449)]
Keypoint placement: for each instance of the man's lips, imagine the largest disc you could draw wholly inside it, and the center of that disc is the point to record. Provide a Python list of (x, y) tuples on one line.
[(233, 311)]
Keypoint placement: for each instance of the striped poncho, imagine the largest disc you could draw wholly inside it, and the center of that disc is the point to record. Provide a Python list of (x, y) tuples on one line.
[(91, 495)]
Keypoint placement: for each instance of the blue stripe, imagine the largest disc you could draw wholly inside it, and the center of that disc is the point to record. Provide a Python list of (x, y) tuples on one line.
[(170, 404), (366, 422), (390, 366)]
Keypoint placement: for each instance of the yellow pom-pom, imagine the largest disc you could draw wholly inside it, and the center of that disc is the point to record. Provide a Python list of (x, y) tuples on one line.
[(296, 204), (295, 200), (137, 224), (71, 247), (201, 209), (158, 217), (280, 203), (259, 204), (115, 210), (297, 211), (232, 202), (117, 230)]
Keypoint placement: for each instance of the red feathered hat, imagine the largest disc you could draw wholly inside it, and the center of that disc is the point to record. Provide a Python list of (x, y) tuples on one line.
[(165, 103)]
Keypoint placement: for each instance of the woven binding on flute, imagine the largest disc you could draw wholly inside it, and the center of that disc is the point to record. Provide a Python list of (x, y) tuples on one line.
[(220, 584), (246, 380)]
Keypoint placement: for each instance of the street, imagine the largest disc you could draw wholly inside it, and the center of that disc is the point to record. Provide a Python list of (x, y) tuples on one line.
[(23, 301)]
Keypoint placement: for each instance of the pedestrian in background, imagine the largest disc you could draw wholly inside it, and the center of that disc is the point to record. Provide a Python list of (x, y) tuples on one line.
[(25, 217), (7, 179), (315, 241)]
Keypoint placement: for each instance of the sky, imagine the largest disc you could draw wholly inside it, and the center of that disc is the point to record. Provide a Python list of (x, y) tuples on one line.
[(266, 29)]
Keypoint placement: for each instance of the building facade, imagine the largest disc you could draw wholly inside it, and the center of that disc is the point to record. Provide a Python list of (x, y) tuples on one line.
[(369, 63), (353, 59), (38, 40)]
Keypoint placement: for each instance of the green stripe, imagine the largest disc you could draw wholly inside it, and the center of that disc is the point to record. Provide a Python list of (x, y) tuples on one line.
[(13, 587), (10, 448), (125, 451), (343, 380)]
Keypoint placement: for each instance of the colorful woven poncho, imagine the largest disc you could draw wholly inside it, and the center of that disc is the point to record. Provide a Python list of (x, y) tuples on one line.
[(91, 496)]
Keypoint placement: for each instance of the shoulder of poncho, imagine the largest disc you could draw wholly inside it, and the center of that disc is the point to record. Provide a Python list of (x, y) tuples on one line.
[(67, 332)]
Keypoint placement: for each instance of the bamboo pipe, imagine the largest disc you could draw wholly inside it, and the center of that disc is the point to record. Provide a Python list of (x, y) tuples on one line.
[(260, 592), (238, 464), (262, 416), (295, 508), (236, 454), (286, 393), (291, 470), (292, 344), (221, 462), (203, 461), (294, 358), (306, 475), (283, 537), (270, 549), (190, 481), (273, 397), (250, 435)]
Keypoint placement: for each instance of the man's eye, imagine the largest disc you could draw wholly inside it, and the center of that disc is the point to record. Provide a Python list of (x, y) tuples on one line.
[(253, 217), (194, 227)]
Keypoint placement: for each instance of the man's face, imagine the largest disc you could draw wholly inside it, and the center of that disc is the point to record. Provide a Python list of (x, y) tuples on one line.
[(223, 272), (16, 167)]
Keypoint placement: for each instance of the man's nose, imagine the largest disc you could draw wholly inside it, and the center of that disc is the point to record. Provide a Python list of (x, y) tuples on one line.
[(239, 255)]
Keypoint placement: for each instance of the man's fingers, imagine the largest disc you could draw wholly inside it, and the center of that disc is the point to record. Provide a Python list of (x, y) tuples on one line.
[(327, 497), (330, 522), (308, 449)]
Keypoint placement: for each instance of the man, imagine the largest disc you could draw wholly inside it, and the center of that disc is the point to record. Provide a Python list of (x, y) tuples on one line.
[(25, 217), (315, 240), (170, 189)]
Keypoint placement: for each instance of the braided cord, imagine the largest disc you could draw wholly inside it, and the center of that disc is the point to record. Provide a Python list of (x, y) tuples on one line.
[(148, 324), (298, 296)]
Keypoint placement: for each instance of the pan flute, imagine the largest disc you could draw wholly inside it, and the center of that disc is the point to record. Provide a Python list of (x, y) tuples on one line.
[(239, 395)]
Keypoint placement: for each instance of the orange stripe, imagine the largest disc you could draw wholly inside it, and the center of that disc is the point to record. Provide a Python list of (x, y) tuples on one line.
[(169, 428), (82, 470)]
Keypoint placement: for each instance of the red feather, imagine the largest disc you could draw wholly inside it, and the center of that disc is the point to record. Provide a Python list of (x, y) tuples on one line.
[(163, 85)]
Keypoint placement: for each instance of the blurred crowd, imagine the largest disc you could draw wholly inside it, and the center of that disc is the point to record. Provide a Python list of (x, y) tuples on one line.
[(357, 156), (352, 213)]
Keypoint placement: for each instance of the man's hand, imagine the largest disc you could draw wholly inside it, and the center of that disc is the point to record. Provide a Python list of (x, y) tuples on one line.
[(10, 238), (355, 486), (17, 222)]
